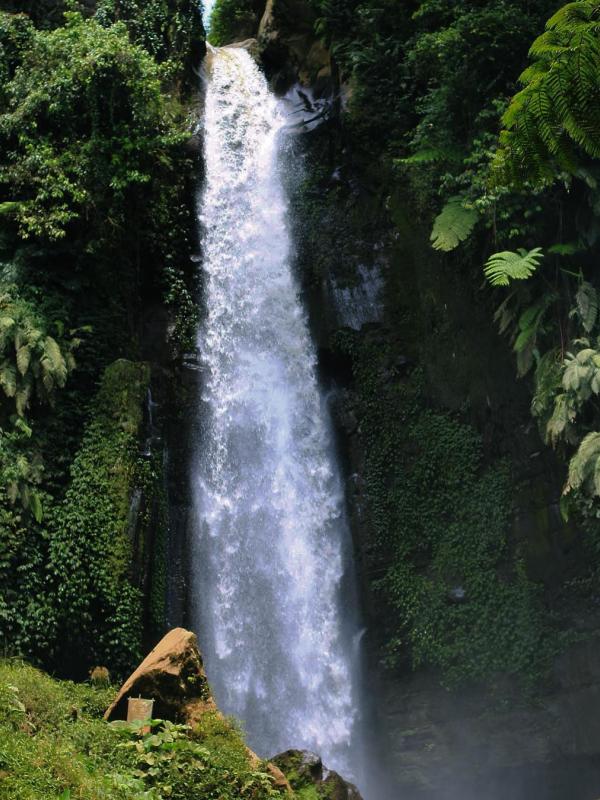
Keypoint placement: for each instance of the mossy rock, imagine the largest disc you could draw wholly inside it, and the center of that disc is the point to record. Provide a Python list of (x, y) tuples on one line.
[(311, 780)]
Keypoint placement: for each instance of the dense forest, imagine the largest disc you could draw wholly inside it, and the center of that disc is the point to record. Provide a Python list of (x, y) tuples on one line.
[(454, 155)]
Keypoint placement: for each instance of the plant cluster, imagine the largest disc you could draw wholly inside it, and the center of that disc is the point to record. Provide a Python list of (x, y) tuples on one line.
[(54, 743), (453, 589), (232, 20), (500, 158), (95, 224)]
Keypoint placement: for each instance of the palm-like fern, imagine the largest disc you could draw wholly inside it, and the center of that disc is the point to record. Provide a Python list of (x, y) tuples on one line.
[(32, 363), (21, 468), (453, 225), (586, 308), (502, 268), (548, 383), (557, 114), (584, 468)]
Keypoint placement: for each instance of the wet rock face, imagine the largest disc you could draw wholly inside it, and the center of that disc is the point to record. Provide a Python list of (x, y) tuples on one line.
[(475, 743), (290, 49), (305, 770)]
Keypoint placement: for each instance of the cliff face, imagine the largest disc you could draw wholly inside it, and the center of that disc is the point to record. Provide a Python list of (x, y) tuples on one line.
[(408, 340)]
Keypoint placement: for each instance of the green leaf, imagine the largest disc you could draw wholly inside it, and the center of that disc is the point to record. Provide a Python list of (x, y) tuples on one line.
[(502, 268), (453, 225), (36, 507), (23, 358), (584, 464), (587, 305), (8, 379), (568, 249)]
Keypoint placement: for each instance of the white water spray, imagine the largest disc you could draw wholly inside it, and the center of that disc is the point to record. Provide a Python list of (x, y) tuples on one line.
[(271, 558)]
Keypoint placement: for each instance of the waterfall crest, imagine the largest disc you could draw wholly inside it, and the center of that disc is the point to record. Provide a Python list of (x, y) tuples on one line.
[(271, 551)]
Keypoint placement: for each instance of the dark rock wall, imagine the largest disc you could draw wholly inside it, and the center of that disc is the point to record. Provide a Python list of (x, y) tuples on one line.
[(487, 741)]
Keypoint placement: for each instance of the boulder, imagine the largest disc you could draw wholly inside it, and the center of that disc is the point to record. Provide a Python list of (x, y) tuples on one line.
[(173, 676), (306, 770)]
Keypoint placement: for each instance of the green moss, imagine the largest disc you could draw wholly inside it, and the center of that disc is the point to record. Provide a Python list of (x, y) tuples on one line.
[(454, 591), (54, 745), (98, 608)]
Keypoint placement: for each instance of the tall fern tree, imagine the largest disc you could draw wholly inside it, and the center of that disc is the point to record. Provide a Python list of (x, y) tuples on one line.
[(555, 119), (32, 363)]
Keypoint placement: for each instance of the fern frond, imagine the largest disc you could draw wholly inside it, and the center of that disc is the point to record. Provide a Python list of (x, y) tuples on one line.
[(453, 225), (558, 110), (587, 305), (562, 419), (23, 358), (548, 375), (502, 268), (584, 464), (8, 379), (430, 155)]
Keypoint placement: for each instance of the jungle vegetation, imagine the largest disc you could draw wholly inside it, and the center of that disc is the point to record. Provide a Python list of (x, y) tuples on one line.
[(95, 227), (486, 117), (481, 117)]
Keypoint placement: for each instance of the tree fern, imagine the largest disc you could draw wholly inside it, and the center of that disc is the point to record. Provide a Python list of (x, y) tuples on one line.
[(561, 425), (502, 268), (32, 363), (556, 116), (548, 383), (587, 306), (584, 468), (453, 225)]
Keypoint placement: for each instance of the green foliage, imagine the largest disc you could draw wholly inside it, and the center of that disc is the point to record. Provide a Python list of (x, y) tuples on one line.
[(234, 19), (97, 605), (16, 36), (554, 119), (584, 469), (502, 268), (455, 590), (185, 311), (54, 744), (95, 201), (170, 30), (21, 469), (84, 127), (171, 763), (453, 225), (32, 363), (586, 307)]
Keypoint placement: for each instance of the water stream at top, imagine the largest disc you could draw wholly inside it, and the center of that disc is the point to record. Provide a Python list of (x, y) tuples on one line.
[(273, 602)]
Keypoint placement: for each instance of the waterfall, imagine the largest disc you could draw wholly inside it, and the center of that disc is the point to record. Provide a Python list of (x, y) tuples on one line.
[(272, 585)]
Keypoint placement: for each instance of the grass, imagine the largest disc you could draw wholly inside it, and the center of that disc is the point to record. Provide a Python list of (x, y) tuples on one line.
[(53, 742), (54, 745)]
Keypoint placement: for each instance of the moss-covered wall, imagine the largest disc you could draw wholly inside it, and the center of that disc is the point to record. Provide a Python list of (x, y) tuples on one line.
[(100, 543), (464, 558)]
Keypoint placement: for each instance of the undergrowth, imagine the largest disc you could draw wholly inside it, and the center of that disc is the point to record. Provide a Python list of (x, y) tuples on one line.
[(54, 745)]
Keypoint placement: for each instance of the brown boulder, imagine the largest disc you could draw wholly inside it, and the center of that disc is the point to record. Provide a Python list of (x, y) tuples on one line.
[(173, 676)]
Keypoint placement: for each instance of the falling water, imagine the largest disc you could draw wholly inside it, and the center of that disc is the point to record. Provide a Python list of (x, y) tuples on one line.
[(273, 600)]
